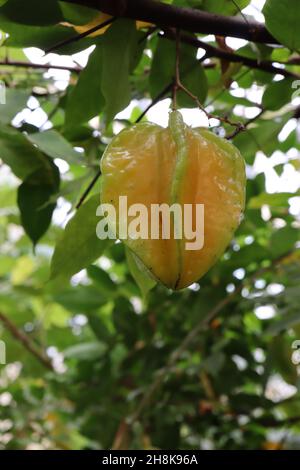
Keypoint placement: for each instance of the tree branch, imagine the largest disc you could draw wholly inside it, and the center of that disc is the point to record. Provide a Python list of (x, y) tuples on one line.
[(213, 51), (26, 341), (188, 19)]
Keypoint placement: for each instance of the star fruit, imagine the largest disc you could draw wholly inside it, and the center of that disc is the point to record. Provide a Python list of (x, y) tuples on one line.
[(152, 165)]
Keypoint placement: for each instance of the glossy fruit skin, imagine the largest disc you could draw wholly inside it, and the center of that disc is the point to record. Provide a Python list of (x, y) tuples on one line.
[(141, 163)]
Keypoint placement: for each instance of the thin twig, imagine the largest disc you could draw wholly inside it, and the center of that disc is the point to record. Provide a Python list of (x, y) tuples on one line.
[(168, 88), (32, 65), (178, 85), (177, 72), (26, 341), (241, 12), (155, 100), (245, 125), (163, 93), (77, 37), (238, 125), (88, 189)]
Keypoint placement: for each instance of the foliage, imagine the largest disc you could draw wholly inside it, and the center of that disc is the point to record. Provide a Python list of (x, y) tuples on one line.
[(109, 332)]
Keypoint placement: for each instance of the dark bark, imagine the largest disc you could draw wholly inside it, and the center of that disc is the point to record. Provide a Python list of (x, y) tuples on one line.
[(187, 19)]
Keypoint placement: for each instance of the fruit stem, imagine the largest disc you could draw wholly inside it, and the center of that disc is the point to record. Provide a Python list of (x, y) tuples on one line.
[(177, 73)]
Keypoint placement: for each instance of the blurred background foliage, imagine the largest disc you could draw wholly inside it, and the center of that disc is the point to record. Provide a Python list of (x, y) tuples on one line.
[(97, 357)]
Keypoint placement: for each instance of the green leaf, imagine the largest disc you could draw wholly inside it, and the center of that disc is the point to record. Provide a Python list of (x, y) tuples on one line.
[(42, 37), (35, 12), (229, 99), (283, 240), (119, 47), (19, 154), (282, 20), (86, 99), (280, 357), (288, 321), (263, 137), (15, 101), (81, 298), (55, 145), (71, 188), (191, 72), (214, 363), (248, 254), (277, 94), (196, 82), (85, 351), (225, 7), (273, 200), (77, 14), (125, 320), (14, 54), (33, 200), (139, 273), (7, 196), (102, 280), (6, 265), (79, 245), (99, 328)]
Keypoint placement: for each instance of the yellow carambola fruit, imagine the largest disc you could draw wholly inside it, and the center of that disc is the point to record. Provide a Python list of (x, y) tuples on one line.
[(97, 20), (153, 165)]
